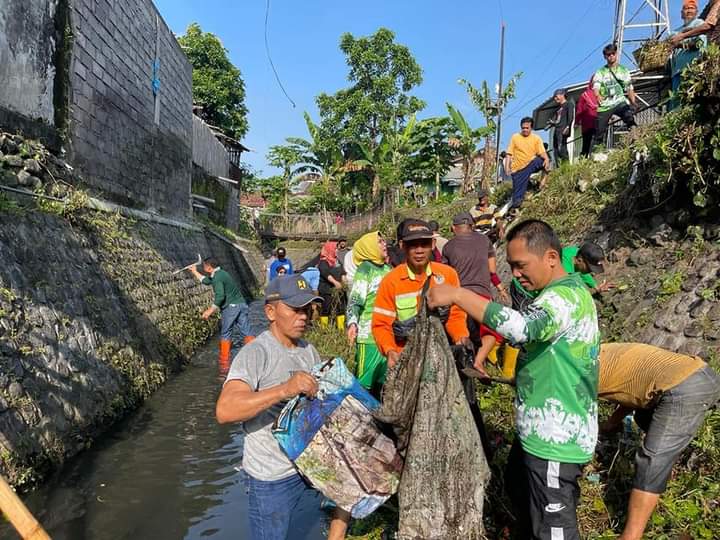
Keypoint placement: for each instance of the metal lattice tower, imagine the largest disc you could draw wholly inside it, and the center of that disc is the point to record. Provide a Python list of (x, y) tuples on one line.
[(639, 20)]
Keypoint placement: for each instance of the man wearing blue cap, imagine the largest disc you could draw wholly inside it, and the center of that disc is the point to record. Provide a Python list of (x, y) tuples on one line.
[(264, 375)]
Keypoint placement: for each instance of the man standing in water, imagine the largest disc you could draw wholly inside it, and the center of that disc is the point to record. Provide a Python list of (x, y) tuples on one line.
[(273, 369), (230, 303), (557, 381)]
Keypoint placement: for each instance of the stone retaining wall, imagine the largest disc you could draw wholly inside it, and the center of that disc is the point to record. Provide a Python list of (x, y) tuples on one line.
[(92, 320)]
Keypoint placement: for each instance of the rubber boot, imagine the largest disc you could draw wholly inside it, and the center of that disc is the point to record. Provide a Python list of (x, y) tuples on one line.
[(509, 361), (224, 357), (492, 355), (248, 339), (324, 320), (340, 322)]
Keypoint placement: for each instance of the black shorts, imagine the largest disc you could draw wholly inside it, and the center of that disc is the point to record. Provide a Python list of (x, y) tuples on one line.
[(545, 495)]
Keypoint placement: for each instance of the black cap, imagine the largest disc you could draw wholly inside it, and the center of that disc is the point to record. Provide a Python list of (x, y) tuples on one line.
[(482, 193), (560, 92), (415, 229), (291, 290), (594, 256), (463, 218)]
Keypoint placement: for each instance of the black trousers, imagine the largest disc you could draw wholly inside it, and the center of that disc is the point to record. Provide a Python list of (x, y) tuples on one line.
[(545, 495), (560, 149), (588, 137), (624, 111)]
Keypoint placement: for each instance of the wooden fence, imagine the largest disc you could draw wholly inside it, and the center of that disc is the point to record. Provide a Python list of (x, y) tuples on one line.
[(317, 226)]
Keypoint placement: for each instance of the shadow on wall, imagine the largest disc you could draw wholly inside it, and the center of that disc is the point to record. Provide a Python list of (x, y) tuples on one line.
[(92, 321)]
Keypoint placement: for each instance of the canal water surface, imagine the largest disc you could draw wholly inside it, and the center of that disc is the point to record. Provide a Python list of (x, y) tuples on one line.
[(167, 472)]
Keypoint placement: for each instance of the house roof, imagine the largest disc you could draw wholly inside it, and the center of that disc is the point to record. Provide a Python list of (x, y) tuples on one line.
[(253, 200)]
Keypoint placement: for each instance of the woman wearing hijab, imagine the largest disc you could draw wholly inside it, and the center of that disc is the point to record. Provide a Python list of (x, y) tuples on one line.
[(331, 275), (688, 49), (370, 255)]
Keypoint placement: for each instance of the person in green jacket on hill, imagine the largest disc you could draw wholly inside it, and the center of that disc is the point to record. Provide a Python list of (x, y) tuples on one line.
[(231, 304), (585, 260), (369, 254)]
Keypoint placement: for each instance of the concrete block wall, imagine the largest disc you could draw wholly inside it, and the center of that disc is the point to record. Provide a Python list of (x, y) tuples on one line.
[(92, 321), (28, 40), (124, 140)]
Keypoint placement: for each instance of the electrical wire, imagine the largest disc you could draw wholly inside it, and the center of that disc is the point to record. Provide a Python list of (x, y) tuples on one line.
[(560, 78), (267, 50), (575, 27)]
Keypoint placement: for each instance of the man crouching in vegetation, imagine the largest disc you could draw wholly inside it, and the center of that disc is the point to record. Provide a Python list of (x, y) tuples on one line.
[(670, 394), (556, 403), (264, 375)]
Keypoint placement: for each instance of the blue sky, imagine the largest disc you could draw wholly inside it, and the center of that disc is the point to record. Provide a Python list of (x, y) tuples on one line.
[(547, 40)]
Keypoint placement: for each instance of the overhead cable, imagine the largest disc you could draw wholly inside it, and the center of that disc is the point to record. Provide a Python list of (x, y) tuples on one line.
[(267, 50), (560, 78)]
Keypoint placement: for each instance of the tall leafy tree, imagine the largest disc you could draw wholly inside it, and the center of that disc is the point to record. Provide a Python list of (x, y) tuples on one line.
[(432, 154), (217, 84), (382, 73)]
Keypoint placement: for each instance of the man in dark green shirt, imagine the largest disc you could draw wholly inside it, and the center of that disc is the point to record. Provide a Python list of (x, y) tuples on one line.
[(231, 304)]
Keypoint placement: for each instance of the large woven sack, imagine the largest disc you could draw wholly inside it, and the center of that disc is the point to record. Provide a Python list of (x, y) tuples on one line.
[(335, 443), (653, 55), (443, 483)]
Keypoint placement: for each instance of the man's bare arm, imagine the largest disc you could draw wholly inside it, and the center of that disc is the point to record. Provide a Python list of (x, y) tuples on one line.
[(468, 301), (239, 403)]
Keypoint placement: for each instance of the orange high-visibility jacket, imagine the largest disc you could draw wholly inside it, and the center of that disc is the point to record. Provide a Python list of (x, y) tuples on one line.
[(399, 296)]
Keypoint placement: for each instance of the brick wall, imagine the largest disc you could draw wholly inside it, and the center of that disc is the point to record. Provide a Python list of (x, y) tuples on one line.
[(122, 142)]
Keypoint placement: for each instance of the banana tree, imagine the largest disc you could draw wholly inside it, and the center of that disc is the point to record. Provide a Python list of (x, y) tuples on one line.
[(324, 157), (289, 158), (465, 140), (387, 160)]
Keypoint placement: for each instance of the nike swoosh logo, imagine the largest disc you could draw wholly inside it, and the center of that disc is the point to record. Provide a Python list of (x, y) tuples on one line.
[(555, 507)]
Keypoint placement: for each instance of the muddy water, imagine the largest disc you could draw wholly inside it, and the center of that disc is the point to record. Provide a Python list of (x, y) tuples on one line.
[(167, 472)]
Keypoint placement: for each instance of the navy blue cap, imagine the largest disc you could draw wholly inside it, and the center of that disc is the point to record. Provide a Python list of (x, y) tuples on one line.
[(292, 290)]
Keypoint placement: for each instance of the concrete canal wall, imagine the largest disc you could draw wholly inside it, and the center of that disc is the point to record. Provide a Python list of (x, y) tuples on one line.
[(92, 320)]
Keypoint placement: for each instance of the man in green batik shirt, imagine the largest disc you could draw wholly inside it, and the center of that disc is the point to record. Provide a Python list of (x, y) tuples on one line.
[(556, 402), (586, 260), (613, 87)]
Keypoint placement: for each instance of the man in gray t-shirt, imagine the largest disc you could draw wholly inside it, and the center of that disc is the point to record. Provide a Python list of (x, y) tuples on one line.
[(264, 375)]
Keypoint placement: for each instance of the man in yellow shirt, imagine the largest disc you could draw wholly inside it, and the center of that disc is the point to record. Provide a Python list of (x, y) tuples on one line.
[(526, 155), (670, 394)]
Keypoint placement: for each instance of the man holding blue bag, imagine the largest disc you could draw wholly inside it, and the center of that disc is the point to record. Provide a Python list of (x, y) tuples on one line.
[(265, 374)]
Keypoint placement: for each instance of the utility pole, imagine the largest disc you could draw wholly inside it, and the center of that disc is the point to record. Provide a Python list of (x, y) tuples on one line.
[(501, 105)]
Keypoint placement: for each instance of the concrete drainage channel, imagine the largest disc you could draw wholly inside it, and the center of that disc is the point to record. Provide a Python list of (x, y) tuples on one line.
[(168, 471)]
